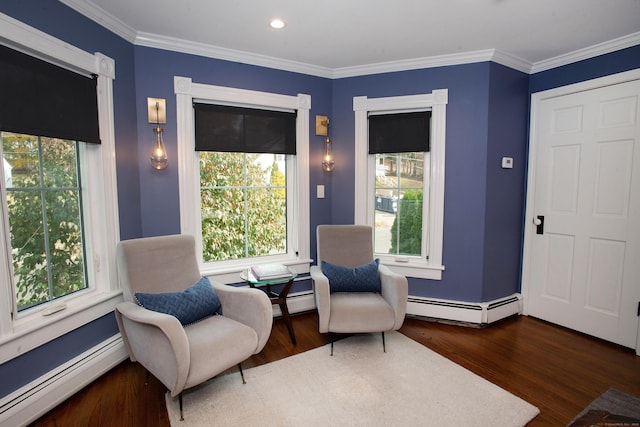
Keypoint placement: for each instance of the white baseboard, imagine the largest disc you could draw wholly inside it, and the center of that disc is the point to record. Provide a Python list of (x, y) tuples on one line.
[(297, 302), (35, 399), (479, 313), (468, 312)]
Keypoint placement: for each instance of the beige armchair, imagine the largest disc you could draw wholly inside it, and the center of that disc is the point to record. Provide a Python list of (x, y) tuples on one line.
[(343, 311), (185, 356)]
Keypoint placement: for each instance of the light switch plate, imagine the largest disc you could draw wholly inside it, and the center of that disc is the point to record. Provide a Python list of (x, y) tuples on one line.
[(507, 163), (320, 191)]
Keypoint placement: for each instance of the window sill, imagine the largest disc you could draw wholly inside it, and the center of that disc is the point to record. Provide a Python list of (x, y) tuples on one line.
[(36, 329), (413, 268)]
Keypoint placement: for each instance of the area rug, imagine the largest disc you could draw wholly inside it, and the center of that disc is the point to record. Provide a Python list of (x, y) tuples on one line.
[(359, 385), (612, 408)]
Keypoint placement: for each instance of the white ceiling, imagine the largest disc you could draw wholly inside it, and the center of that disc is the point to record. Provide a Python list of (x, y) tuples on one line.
[(343, 37)]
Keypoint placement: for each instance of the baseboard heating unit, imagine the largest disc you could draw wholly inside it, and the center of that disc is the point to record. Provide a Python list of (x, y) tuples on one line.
[(467, 312)]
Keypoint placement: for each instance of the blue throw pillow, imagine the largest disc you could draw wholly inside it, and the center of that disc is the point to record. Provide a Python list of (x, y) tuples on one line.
[(193, 304), (364, 278)]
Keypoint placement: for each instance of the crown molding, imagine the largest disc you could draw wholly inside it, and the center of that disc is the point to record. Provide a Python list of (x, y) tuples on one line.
[(206, 50), (414, 64), (101, 17), (436, 61), (587, 53), (512, 61), (201, 49)]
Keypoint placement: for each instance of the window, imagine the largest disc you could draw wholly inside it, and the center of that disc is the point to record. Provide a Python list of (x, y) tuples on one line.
[(400, 143), (243, 205), (59, 217), (398, 212), (400, 185), (45, 215), (243, 180), (245, 200)]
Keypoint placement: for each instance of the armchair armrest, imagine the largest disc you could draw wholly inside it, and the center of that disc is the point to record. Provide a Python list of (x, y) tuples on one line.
[(249, 306), (395, 289), (321, 294), (146, 333)]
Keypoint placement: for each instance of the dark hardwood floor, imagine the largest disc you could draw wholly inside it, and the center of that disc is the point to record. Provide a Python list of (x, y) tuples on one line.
[(555, 369)]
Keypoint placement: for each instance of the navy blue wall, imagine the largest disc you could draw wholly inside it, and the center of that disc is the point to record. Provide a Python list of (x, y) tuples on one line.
[(503, 236), (486, 119)]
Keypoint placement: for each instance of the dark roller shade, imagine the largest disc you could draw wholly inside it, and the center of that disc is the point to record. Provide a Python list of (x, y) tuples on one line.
[(399, 133), (39, 98), (244, 130)]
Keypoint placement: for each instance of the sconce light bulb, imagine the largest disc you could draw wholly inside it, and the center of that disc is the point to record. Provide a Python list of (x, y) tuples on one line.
[(327, 162), (159, 158)]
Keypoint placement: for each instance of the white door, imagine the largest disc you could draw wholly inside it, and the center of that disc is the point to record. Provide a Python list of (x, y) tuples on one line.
[(582, 239)]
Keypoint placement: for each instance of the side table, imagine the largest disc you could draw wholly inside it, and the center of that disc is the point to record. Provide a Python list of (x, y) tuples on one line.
[(279, 298)]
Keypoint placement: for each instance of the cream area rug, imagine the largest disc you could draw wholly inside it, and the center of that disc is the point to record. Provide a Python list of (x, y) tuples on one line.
[(359, 385)]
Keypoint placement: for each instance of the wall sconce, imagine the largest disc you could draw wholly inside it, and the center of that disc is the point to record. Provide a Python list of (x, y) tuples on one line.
[(322, 129), (157, 111)]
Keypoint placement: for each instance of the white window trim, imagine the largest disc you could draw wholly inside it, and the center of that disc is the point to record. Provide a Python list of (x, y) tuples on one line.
[(365, 167), (189, 171), (29, 331)]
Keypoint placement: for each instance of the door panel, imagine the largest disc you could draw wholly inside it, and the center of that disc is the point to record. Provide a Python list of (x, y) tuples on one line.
[(584, 271), (559, 255)]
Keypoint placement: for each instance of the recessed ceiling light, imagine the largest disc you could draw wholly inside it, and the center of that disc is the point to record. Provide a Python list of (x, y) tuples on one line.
[(277, 23)]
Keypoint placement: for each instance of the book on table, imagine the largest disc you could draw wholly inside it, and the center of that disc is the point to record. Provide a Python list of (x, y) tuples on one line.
[(270, 272)]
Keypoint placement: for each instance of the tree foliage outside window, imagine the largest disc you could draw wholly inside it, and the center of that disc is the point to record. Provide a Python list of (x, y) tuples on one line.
[(43, 206), (406, 230), (243, 205), (398, 199)]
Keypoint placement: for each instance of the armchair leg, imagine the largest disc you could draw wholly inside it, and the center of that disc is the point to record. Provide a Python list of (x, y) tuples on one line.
[(241, 373), (146, 377), (384, 347), (180, 402), (332, 337)]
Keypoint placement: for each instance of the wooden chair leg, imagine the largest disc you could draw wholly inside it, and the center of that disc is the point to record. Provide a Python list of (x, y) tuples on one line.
[(180, 403), (146, 377), (384, 347)]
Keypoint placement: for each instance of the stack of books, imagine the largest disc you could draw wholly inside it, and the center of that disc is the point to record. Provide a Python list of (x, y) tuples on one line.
[(270, 272)]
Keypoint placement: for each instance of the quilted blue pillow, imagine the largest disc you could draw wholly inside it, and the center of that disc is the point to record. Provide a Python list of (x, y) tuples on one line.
[(364, 278), (193, 304)]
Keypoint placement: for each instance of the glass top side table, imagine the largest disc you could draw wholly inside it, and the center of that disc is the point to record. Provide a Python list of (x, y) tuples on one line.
[(279, 298)]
